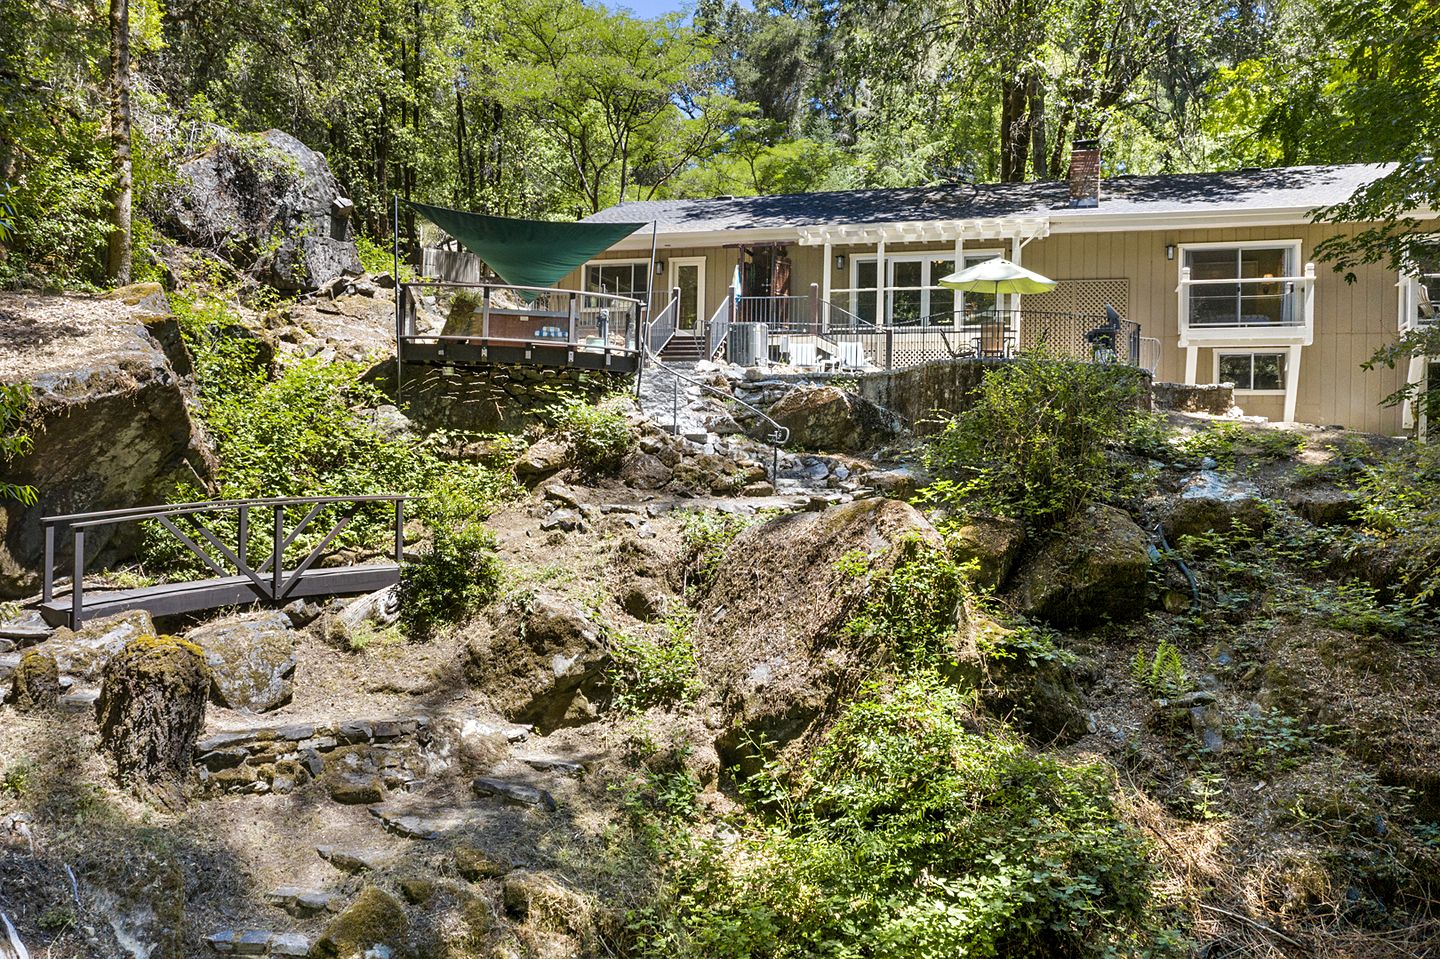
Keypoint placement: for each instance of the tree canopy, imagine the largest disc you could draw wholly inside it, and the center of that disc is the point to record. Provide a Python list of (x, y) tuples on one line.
[(556, 108)]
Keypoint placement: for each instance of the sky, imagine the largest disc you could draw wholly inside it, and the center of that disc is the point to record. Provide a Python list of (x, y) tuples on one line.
[(653, 8)]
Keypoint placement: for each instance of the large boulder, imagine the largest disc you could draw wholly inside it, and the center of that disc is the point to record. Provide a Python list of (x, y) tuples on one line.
[(1093, 567), (830, 419), (36, 682), (992, 543), (269, 204), (107, 417), (1214, 501), (543, 662), (252, 660), (769, 635)]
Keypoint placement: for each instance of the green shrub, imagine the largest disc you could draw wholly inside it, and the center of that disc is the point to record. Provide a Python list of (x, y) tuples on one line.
[(910, 612), (15, 439), (705, 536), (909, 835), (598, 435), (1036, 442), (1224, 442), (649, 671), (379, 257), (458, 572)]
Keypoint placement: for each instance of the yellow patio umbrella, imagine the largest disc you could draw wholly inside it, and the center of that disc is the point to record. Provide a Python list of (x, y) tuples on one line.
[(997, 275)]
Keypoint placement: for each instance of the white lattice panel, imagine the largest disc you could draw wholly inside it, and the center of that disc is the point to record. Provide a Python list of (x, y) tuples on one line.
[(1085, 297)]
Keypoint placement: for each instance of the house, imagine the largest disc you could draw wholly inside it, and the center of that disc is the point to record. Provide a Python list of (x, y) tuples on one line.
[(1217, 270)]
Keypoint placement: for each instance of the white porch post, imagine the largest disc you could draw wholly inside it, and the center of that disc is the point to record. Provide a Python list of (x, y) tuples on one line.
[(1192, 362), (1292, 383), (1414, 375), (956, 317), (825, 287), (1015, 247), (882, 298)]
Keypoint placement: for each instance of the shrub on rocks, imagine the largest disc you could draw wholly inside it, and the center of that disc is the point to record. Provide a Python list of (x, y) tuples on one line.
[(151, 709), (598, 436), (459, 571), (1036, 443)]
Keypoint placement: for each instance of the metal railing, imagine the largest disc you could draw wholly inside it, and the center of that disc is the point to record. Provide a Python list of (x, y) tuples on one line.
[(270, 579), (1149, 355), (520, 314), (661, 329), (776, 437), (1266, 302), (718, 328), (779, 312)]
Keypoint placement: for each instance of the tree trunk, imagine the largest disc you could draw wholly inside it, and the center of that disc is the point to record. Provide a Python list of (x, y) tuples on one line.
[(117, 262), (1036, 124), (1014, 129), (150, 711)]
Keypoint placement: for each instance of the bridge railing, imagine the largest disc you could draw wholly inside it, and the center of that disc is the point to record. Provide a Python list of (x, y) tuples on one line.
[(269, 581)]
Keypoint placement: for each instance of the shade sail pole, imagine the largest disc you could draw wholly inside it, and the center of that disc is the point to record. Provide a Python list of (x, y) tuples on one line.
[(650, 280), (399, 297)]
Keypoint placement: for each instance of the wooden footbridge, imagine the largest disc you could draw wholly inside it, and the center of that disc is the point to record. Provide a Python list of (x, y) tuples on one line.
[(236, 580)]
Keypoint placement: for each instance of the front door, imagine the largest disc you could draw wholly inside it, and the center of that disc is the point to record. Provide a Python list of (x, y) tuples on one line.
[(687, 274)]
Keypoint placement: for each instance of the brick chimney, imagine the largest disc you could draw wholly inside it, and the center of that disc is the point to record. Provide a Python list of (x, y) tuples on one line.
[(1085, 173)]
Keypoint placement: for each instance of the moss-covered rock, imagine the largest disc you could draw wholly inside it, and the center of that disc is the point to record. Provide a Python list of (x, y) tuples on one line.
[(476, 865), (831, 420), (992, 543), (1092, 568), (375, 918), (35, 684), (151, 709)]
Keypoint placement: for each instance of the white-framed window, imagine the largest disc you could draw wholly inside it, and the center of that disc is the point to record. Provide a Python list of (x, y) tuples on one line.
[(914, 296), (1423, 306), (619, 277), (1234, 285), (1253, 371)]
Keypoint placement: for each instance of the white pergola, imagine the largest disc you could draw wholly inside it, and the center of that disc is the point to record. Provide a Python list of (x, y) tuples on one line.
[(1017, 231)]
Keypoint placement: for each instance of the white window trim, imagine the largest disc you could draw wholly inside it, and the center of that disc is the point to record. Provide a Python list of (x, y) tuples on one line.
[(1299, 334), (626, 261), (1247, 352), (923, 257), (1409, 284)]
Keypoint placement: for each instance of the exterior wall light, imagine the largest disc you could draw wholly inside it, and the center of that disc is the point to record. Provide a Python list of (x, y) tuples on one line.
[(659, 267), (839, 261), (1170, 251)]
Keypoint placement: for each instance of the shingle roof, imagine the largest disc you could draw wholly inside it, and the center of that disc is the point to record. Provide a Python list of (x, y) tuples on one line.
[(1280, 188)]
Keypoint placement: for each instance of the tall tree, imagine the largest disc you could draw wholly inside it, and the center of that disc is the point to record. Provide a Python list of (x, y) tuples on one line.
[(117, 264)]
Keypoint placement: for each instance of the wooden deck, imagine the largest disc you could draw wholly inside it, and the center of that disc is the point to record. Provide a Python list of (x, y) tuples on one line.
[(169, 599)]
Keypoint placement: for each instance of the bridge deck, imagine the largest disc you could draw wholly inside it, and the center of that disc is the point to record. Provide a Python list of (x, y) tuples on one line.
[(169, 599)]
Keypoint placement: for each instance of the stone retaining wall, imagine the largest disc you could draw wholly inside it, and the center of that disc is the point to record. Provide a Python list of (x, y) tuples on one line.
[(502, 399), (1216, 398)]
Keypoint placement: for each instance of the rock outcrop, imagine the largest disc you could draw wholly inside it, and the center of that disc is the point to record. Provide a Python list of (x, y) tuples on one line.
[(1211, 500), (35, 683), (1091, 568), (107, 416), (269, 204), (251, 658), (768, 633), (992, 543), (543, 663), (83, 653), (832, 420)]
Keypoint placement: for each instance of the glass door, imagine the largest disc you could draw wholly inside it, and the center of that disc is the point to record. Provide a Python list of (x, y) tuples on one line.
[(687, 274)]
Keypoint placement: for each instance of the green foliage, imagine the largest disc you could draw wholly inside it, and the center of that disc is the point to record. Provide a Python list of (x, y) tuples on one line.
[(1162, 672), (1036, 443), (705, 536), (1224, 442), (910, 611), (1270, 741), (598, 435), (16, 779), (1399, 503), (458, 572), (654, 671), (15, 439), (909, 835), (379, 258)]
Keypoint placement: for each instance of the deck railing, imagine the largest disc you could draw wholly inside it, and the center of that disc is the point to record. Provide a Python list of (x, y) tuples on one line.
[(268, 581), (718, 328)]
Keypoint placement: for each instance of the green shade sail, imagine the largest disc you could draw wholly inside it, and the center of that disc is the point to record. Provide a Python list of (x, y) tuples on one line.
[(527, 252)]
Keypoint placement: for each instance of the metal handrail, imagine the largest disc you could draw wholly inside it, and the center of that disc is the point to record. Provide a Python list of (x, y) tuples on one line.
[(719, 326), (778, 434), (269, 578)]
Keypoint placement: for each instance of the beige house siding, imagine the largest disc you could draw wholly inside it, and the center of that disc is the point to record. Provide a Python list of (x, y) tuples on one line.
[(1351, 320)]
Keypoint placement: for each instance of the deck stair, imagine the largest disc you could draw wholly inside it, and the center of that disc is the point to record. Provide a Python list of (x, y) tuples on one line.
[(684, 348)]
